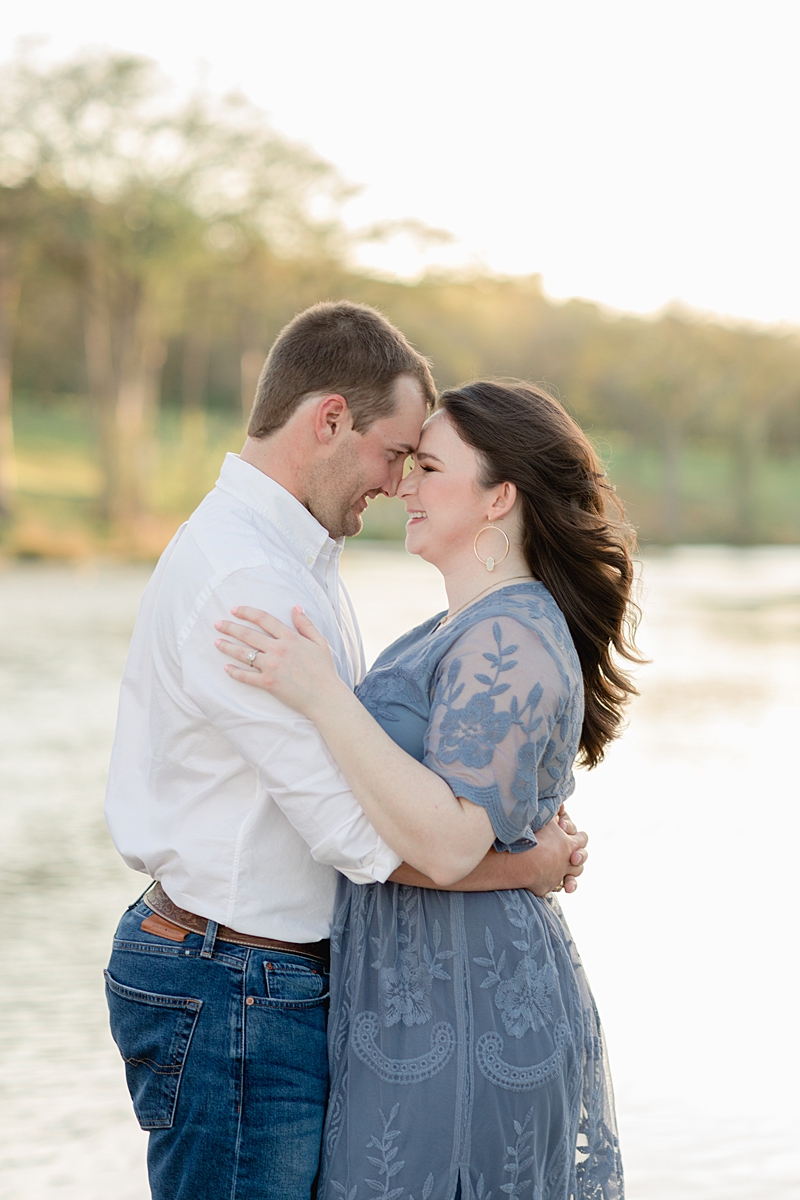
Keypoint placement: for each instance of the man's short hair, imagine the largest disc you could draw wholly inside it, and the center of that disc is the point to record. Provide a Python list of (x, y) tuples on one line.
[(343, 348)]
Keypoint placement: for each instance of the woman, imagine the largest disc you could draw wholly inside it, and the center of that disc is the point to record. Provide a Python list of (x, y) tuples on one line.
[(466, 1052)]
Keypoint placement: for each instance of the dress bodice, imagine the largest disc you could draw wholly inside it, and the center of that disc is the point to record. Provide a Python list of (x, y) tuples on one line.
[(492, 701)]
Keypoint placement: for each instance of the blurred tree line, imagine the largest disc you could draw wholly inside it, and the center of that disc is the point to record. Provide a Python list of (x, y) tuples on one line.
[(149, 253)]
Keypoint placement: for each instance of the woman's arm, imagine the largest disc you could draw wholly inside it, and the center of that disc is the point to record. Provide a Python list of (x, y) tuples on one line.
[(443, 836), (546, 868), (414, 811)]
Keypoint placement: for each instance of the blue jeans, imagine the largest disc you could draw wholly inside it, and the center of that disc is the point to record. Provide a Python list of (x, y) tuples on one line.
[(225, 1056)]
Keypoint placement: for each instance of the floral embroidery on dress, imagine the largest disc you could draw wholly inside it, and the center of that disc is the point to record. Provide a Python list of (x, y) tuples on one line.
[(518, 1159), (526, 780), (387, 1165), (524, 1000), (470, 734), (388, 1152), (473, 733), (392, 685), (404, 990)]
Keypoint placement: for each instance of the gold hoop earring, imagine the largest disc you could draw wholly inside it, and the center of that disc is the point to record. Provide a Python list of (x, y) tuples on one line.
[(490, 563)]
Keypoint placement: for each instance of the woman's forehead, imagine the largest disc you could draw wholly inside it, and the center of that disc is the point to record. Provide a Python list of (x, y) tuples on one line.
[(436, 429)]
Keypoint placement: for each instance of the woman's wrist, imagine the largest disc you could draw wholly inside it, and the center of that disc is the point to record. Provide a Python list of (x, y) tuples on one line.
[(329, 701)]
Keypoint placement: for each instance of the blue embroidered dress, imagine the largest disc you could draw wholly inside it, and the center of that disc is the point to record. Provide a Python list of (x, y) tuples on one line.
[(464, 1043)]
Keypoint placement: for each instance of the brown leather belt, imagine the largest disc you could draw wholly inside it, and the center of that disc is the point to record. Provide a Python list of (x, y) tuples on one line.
[(170, 915)]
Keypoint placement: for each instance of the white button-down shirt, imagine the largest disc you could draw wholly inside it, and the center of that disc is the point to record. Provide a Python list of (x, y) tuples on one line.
[(229, 798)]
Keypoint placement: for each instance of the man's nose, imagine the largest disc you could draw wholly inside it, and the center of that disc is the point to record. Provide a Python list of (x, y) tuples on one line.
[(395, 477)]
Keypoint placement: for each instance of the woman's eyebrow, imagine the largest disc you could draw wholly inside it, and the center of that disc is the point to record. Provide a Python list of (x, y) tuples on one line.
[(426, 454)]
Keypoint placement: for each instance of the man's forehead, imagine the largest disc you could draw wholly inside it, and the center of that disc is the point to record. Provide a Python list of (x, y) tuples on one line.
[(404, 426), (404, 440), (409, 396)]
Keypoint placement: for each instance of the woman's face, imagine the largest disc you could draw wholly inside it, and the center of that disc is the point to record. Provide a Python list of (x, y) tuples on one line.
[(445, 503)]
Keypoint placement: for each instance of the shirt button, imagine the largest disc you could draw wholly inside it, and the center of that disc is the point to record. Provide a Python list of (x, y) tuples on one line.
[(249, 1000), (309, 560)]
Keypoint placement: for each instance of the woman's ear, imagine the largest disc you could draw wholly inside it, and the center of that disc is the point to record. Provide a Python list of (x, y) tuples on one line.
[(504, 500)]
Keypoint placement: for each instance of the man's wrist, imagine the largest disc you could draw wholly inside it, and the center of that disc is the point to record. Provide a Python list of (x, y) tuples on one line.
[(527, 869)]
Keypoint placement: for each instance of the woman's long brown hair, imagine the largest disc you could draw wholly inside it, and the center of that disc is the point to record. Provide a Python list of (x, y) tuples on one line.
[(576, 538)]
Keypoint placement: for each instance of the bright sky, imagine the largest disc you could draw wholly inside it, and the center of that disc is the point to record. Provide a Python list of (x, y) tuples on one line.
[(632, 151)]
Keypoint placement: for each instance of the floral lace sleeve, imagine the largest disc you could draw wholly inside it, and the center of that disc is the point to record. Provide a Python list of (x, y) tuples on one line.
[(498, 727)]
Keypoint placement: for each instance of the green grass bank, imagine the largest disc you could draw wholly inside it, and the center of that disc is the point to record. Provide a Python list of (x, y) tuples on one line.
[(59, 483)]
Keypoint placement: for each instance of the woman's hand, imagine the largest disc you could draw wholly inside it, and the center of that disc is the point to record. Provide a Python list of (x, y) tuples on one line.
[(578, 857), (294, 665)]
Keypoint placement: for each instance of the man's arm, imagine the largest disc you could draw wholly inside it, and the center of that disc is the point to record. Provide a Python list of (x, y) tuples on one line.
[(559, 856)]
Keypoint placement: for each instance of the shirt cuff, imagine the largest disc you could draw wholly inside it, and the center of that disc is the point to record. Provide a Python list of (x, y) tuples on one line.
[(375, 867)]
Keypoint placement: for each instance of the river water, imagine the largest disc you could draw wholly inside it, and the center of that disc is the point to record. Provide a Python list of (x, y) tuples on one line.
[(686, 916)]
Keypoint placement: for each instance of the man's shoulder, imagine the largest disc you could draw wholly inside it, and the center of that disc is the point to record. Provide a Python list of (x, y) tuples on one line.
[(250, 525), (220, 544), (224, 535)]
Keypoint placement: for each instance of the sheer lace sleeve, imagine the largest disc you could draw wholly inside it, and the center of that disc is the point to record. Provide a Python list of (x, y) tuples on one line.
[(499, 727)]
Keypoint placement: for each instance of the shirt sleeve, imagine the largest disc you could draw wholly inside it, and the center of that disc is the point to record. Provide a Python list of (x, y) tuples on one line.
[(496, 730), (286, 751)]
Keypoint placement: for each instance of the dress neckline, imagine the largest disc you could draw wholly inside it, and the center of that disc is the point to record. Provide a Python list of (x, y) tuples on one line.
[(439, 618)]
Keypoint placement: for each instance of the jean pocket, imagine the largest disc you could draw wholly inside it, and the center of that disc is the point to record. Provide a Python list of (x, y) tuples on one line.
[(153, 1033), (295, 984)]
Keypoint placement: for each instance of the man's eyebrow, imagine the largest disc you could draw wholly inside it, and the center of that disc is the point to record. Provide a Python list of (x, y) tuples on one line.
[(404, 447)]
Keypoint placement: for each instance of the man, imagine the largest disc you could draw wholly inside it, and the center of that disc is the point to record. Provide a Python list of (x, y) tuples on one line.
[(218, 978)]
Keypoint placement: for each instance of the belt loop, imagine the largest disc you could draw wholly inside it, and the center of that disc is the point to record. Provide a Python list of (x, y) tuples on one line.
[(209, 939)]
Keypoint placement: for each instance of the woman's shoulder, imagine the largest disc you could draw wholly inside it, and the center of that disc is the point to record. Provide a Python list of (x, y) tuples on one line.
[(529, 603), (514, 609), (525, 613)]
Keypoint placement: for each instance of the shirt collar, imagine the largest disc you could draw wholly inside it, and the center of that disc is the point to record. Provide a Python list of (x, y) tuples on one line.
[(283, 511)]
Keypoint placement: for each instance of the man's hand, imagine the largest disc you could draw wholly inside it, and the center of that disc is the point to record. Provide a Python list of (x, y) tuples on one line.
[(566, 822), (569, 826), (557, 860)]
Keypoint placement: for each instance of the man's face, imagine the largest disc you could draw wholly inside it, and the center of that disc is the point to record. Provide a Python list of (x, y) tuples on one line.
[(364, 465)]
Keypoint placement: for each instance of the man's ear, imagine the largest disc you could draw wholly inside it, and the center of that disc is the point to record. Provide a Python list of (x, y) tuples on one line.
[(331, 417)]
